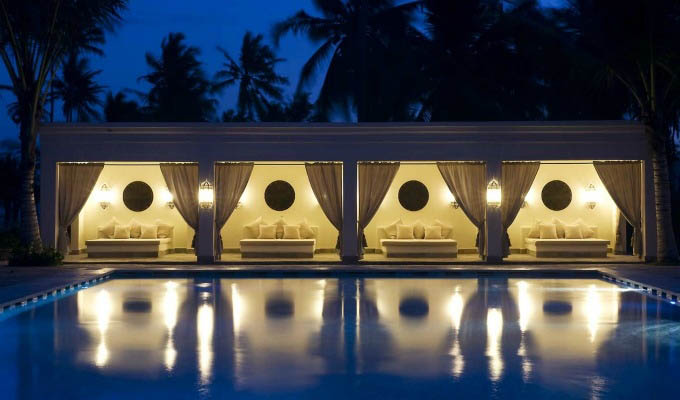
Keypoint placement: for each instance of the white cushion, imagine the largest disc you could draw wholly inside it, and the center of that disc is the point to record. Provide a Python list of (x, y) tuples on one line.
[(585, 229), (121, 232), (267, 232), (253, 228), (559, 227), (164, 230), (446, 229), (418, 230), (535, 232), (547, 231), (391, 229), (135, 229), (573, 232), (433, 232), (404, 231), (291, 232), (306, 231), (106, 231), (148, 232), (280, 223)]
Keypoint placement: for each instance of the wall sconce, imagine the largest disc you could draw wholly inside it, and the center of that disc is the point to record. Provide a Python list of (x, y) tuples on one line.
[(454, 204), (104, 196), (493, 194), (205, 195), (167, 198), (239, 204), (524, 204), (590, 196)]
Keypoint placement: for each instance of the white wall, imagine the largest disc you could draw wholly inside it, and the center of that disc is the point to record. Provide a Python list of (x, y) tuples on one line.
[(578, 177), (254, 206), (116, 177), (437, 207)]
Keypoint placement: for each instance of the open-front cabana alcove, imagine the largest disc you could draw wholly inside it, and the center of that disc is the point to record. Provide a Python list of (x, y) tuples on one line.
[(349, 146)]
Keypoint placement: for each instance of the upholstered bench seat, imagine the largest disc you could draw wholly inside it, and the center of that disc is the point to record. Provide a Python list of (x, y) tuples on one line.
[(419, 247), (567, 247), (99, 248), (273, 248)]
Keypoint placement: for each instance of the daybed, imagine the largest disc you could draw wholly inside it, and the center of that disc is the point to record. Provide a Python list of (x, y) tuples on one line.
[(98, 248), (391, 246), (561, 247), (254, 247)]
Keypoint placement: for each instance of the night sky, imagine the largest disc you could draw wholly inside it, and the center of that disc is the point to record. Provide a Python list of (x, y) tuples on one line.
[(207, 24)]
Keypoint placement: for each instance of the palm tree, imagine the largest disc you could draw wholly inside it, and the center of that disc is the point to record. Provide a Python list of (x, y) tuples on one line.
[(34, 37), (636, 44), (359, 37), (119, 109), (179, 92), (77, 89), (255, 74)]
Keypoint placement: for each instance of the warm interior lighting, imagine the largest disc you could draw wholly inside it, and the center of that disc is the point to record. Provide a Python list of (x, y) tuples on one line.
[(493, 194), (590, 196), (104, 309), (524, 305), (205, 322), (167, 198), (205, 195), (456, 309), (104, 196), (494, 331), (451, 199), (170, 309)]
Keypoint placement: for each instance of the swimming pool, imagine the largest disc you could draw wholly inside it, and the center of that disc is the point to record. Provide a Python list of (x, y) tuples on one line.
[(364, 338)]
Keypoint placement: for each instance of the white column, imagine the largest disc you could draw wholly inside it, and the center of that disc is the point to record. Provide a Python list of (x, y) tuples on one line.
[(648, 212), (205, 239), (350, 247), (494, 227), (48, 202)]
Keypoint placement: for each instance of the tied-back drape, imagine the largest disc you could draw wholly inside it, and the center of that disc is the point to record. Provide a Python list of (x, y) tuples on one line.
[(76, 182), (231, 180), (375, 179), (182, 182), (467, 183), (516, 179), (623, 180), (326, 181)]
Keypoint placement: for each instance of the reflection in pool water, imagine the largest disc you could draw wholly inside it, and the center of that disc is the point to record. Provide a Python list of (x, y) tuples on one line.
[(340, 338)]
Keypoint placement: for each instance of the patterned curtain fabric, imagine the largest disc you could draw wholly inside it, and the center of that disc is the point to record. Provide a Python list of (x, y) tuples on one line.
[(231, 180), (76, 182), (182, 182), (375, 179), (623, 181), (326, 181), (516, 180), (467, 183)]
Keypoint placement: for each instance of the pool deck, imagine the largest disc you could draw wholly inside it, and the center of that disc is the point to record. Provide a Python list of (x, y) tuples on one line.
[(22, 285)]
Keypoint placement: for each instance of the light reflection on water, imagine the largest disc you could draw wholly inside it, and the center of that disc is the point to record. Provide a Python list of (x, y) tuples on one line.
[(340, 338)]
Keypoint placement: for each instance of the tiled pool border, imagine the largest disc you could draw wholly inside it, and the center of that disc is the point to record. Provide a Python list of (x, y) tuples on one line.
[(46, 295)]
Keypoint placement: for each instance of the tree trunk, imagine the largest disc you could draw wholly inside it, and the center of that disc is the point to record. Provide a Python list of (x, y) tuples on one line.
[(29, 228), (666, 249)]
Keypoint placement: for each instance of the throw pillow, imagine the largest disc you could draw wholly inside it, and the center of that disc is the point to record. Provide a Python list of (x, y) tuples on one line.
[(106, 231), (164, 230), (253, 228), (135, 229), (291, 232), (404, 231), (267, 232), (547, 231), (121, 232), (559, 227), (391, 229), (585, 229), (280, 223), (433, 232), (573, 232), (418, 230), (306, 231), (446, 229), (149, 232), (535, 232)]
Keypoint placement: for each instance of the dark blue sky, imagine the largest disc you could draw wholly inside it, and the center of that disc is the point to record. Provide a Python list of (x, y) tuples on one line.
[(206, 23)]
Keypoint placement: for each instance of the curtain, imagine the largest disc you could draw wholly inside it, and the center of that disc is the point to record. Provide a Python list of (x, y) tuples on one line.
[(623, 181), (467, 183), (516, 180), (182, 182), (76, 182), (620, 241), (375, 179), (231, 180), (326, 182)]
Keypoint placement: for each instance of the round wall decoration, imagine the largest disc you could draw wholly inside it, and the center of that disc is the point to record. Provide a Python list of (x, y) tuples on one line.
[(413, 195), (279, 195), (137, 196), (556, 195)]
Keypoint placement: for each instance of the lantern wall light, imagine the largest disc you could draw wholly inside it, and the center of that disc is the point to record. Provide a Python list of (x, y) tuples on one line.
[(590, 196), (167, 198), (205, 195), (493, 194), (104, 196)]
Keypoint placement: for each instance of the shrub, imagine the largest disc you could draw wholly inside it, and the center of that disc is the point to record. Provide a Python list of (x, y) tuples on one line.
[(23, 256)]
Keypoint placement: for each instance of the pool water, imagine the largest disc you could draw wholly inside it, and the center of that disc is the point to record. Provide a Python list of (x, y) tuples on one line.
[(312, 338)]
